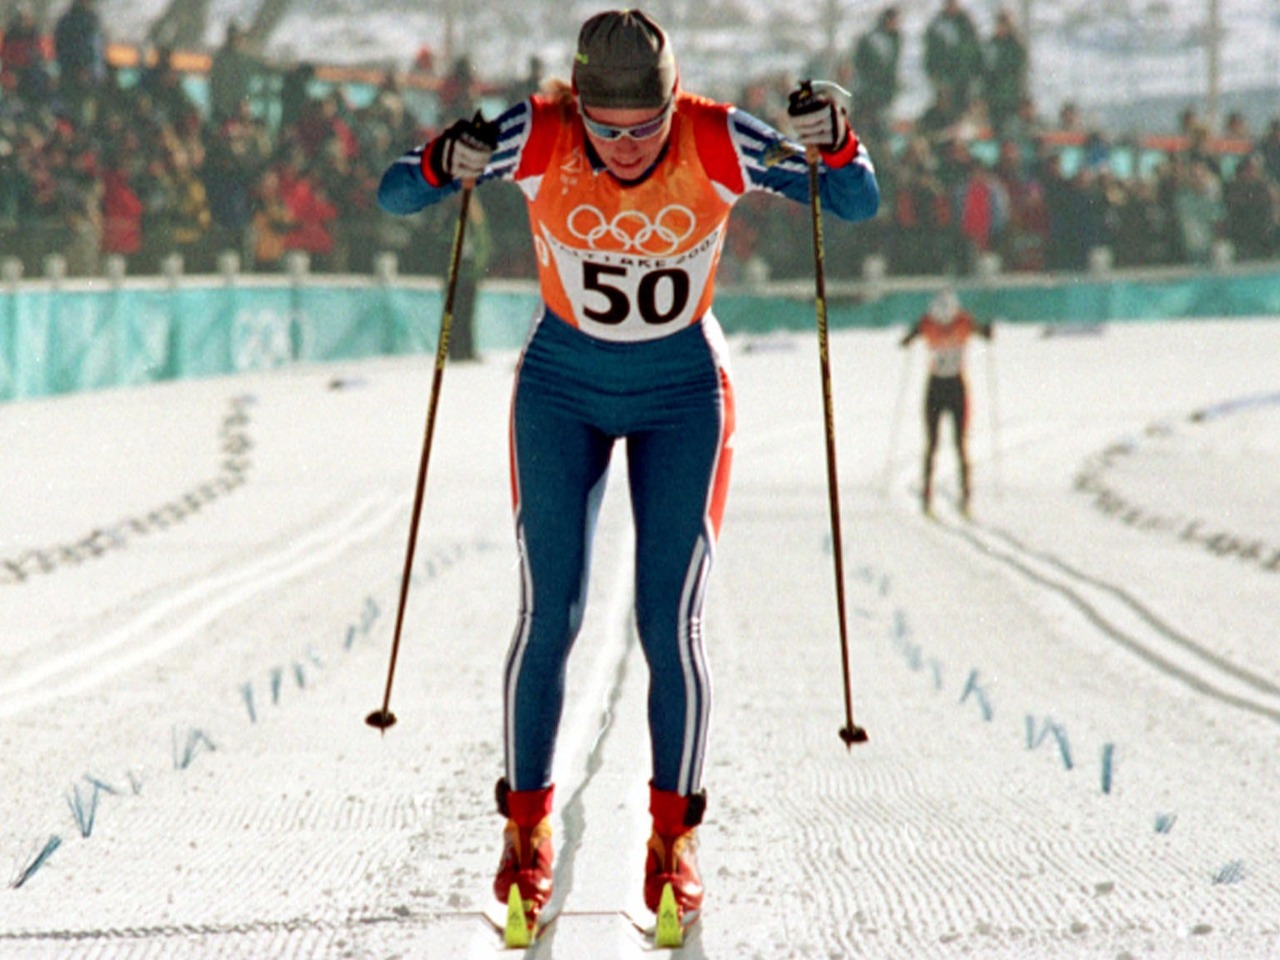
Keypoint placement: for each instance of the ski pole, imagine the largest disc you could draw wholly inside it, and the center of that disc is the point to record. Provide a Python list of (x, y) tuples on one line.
[(896, 428), (850, 733), (995, 417), (383, 718)]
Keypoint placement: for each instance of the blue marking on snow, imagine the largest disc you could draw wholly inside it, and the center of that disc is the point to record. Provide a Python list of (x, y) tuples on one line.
[(1108, 758), (1232, 872), (369, 615), (102, 785), (972, 686), (936, 667), (39, 861), (900, 628), (1050, 727), (84, 810), (195, 740), (1064, 747)]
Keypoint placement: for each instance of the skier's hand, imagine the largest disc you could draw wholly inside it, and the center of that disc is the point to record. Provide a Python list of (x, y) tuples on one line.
[(462, 152), (817, 119)]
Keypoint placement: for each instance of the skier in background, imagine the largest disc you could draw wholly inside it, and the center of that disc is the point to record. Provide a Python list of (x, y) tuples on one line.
[(629, 182), (946, 328)]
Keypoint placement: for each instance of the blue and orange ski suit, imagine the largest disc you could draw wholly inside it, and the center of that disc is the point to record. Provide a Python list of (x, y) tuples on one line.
[(625, 346)]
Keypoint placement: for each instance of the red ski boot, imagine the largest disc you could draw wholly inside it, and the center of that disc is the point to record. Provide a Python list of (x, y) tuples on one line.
[(526, 847), (672, 857)]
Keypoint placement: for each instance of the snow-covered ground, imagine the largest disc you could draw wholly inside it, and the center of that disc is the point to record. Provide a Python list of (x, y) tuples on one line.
[(1073, 701)]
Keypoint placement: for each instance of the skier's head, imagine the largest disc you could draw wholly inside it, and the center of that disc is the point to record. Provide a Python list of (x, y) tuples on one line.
[(624, 77), (944, 306), (623, 61)]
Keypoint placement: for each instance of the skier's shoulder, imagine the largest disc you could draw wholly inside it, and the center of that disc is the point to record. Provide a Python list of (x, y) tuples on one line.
[(553, 104), (718, 131), (532, 128), (971, 324), (710, 119), (689, 103)]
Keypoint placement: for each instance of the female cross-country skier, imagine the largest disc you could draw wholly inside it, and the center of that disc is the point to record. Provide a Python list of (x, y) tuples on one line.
[(946, 328), (629, 182)]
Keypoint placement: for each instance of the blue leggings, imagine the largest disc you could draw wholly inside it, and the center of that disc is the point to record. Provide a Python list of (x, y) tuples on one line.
[(671, 400)]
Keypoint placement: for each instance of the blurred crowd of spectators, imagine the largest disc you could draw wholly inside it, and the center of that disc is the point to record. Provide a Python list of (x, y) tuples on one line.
[(981, 175), (92, 165), (95, 160)]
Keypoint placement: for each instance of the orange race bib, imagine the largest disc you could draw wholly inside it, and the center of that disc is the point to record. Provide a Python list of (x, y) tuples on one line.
[(946, 342), (627, 262)]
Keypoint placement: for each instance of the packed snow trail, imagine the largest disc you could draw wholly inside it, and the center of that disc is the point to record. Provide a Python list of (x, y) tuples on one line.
[(189, 774)]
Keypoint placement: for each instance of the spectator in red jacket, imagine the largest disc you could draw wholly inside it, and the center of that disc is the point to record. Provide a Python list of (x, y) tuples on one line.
[(121, 210), (982, 212), (311, 212)]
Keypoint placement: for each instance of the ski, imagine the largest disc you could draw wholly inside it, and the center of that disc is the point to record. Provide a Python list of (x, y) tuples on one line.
[(672, 923), (668, 932), (521, 928)]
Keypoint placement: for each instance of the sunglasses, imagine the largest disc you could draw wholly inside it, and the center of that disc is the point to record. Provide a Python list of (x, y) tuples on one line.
[(640, 131)]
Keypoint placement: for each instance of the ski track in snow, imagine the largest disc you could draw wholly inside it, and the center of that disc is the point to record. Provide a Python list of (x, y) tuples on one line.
[(189, 611), (1115, 613), (204, 708)]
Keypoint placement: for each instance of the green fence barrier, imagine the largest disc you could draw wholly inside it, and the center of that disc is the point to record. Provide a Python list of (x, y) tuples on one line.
[(1169, 295), (91, 335), (64, 339)]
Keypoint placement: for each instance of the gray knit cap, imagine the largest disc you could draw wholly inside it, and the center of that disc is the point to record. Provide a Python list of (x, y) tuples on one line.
[(624, 60)]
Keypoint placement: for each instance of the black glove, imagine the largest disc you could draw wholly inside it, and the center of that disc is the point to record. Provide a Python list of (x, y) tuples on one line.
[(462, 152), (817, 119)]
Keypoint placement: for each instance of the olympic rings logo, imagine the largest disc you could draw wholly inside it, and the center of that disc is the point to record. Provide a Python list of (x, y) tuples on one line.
[(632, 231)]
